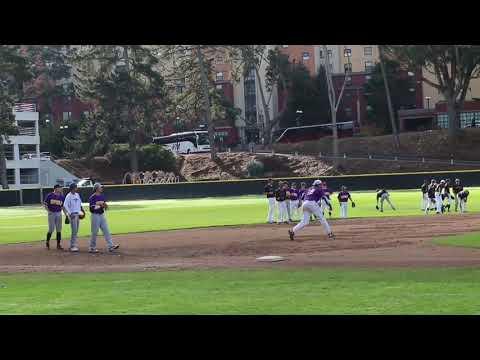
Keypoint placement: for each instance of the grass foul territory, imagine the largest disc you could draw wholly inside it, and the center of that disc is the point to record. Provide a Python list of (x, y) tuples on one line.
[(29, 223), (307, 291)]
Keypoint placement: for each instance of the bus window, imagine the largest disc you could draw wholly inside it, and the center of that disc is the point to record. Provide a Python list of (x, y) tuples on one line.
[(203, 139)]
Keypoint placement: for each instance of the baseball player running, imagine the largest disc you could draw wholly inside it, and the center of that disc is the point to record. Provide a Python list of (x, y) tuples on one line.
[(310, 206), (270, 193), (54, 204), (73, 210), (98, 205), (462, 199), (424, 189), (343, 197), (383, 195), (457, 188), (281, 197)]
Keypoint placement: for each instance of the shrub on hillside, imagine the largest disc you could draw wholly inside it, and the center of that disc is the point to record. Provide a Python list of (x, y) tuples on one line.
[(255, 168), (150, 157)]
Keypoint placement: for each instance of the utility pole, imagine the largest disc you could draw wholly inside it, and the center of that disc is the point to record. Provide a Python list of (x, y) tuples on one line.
[(334, 103), (389, 99)]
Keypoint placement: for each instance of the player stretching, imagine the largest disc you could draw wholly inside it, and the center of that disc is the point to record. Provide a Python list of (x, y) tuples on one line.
[(457, 188), (424, 189), (294, 201), (53, 204), (281, 197), (310, 206), (383, 195), (270, 193), (343, 197), (462, 198)]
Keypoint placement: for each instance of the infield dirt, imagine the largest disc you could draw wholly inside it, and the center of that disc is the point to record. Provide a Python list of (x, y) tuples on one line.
[(380, 242)]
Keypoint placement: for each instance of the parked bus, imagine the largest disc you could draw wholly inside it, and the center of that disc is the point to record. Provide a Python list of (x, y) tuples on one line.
[(312, 132), (185, 142)]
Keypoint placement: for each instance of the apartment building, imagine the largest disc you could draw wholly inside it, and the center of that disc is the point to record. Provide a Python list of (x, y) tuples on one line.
[(23, 150)]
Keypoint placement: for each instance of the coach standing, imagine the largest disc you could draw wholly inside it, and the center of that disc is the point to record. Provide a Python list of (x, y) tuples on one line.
[(98, 205), (270, 193), (53, 204), (73, 208)]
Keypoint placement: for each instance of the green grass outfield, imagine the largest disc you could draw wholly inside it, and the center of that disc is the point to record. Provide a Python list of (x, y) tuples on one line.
[(471, 240), (279, 291), (28, 223)]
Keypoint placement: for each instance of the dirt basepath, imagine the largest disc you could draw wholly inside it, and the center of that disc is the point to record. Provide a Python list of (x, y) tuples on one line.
[(384, 242)]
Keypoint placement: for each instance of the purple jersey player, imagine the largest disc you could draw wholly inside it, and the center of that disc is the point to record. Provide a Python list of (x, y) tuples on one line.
[(310, 206), (54, 204)]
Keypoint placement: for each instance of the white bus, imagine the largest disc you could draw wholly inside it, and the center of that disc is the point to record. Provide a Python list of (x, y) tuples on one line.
[(185, 142)]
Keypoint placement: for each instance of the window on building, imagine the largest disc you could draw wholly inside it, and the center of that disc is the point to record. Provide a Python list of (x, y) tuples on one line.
[(284, 46), (348, 81), (220, 76), (469, 119), (29, 176), (347, 67), (442, 121), (67, 115), (368, 51), (9, 152), (11, 176), (329, 52), (219, 87), (368, 66), (321, 54), (86, 114), (306, 55), (348, 113), (347, 52)]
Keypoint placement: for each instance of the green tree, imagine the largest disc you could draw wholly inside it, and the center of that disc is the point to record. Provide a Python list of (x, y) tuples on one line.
[(400, 85), (452, 67), (129, 93), (15, 70)]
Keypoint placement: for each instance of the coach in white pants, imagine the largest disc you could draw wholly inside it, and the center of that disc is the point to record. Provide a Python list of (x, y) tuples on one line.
[(73, 208)]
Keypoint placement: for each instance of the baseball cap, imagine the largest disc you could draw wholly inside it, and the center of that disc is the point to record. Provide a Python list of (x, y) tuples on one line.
[(97, 185), (317, 182), (72, 186), (56, 186)]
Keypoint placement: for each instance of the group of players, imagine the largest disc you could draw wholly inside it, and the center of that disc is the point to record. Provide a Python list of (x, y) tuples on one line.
[(71, 205), (304, 203), (438, 196)]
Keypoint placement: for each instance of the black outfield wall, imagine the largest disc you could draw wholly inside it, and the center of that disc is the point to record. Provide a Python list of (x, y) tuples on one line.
[(248, 187)]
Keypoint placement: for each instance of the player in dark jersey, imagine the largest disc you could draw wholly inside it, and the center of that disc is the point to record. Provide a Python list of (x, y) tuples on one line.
[(288, 194), (438, 196), (294, 201), (431, 196), (269, 192), (383, 195), (457, 188), (424, 189), (447, 195), (53, 203), (462, 199), (281, 197), (343, 197)]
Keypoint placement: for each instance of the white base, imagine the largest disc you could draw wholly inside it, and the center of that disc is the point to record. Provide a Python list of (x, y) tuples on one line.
[(271, 258)]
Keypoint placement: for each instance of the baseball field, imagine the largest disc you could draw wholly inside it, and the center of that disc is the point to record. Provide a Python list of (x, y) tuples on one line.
[(199, 257)]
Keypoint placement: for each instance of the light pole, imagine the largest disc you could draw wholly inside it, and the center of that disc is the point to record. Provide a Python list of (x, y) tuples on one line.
[(297, 120), (428, 98)]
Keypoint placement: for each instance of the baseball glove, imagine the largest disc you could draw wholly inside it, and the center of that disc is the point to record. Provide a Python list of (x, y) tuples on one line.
[(353, 204), (376, 207), (67, 220), (81, 215)]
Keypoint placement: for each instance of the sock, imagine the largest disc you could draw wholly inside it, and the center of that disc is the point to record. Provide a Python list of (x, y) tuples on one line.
[(59, 238), (49, 235)]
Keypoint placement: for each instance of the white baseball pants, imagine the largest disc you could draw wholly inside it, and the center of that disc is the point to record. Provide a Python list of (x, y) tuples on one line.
[(309, 208), (387, 199), (282, 212), (271, 209), (343, 209), (438, 202), (462, 205), (425, 201)]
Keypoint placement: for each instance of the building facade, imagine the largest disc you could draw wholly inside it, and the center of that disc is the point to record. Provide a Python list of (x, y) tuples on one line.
[(23, 151)]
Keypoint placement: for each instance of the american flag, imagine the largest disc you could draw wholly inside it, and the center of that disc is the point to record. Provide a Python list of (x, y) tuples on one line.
[(21, 107)]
